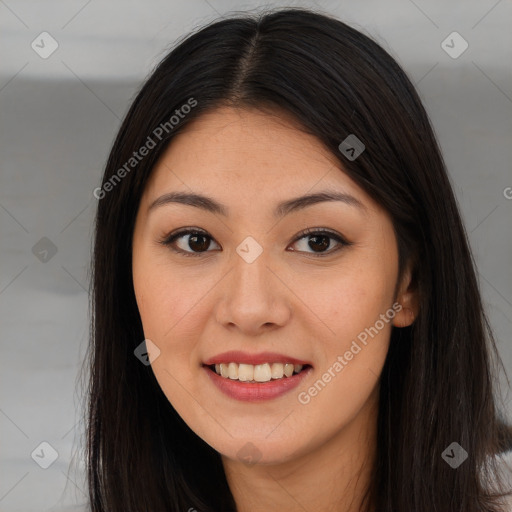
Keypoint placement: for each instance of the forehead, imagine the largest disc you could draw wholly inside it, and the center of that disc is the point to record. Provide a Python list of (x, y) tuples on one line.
[(242, 152)]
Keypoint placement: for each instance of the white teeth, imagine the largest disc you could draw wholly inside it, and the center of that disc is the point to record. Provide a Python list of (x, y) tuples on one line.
[(262, 372), (277, 371), (245, 372), (233, 371), (257, 373)]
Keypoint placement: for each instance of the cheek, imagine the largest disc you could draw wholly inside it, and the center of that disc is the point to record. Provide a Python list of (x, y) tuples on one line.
[(352, 359), (352, 298), (357, 307), (165, 311), (172, 305), (163, 295)]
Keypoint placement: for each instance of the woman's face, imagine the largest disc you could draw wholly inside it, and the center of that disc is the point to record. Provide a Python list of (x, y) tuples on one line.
[(251, 282)]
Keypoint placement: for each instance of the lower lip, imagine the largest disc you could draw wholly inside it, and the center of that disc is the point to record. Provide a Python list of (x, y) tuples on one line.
[(257, 391)]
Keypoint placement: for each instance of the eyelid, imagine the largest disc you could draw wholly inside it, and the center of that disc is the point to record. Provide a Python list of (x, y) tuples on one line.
[(323, 231), (169, 239)]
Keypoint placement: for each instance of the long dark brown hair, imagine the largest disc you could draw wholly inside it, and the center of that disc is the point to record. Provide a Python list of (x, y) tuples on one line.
[(438, 381)]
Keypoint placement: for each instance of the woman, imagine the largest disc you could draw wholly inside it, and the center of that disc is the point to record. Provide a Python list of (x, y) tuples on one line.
[(286, 313)]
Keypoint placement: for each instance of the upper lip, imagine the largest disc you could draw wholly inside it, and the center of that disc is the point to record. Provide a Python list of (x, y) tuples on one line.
[(236, 356)]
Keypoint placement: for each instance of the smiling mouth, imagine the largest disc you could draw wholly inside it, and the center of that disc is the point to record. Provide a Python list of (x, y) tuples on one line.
[(253, 374)]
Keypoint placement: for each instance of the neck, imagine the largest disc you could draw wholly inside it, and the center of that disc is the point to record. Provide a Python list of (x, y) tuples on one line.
[(333, 476)]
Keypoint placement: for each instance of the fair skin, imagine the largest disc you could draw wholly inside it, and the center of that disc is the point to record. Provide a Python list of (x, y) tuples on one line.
[(315, 456)]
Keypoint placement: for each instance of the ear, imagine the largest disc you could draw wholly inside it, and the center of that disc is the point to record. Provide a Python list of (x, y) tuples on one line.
[(407, 297)]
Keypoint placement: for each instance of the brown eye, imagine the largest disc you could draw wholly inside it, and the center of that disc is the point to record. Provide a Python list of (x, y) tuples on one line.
[(320, 241), (197, 242)]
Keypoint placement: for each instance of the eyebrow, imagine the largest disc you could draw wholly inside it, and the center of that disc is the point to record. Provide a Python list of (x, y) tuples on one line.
[(283, 208)]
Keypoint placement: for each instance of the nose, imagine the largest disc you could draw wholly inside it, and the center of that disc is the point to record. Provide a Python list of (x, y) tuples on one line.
[(254, 298)]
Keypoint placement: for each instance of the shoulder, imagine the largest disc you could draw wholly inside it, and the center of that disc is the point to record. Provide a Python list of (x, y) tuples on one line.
[(505, 467), (504, 461)]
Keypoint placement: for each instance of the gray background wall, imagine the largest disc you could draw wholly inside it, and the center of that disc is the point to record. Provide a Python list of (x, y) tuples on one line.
[(58, 118)]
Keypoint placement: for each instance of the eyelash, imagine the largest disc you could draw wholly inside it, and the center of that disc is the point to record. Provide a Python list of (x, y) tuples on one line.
[(170, 239)]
